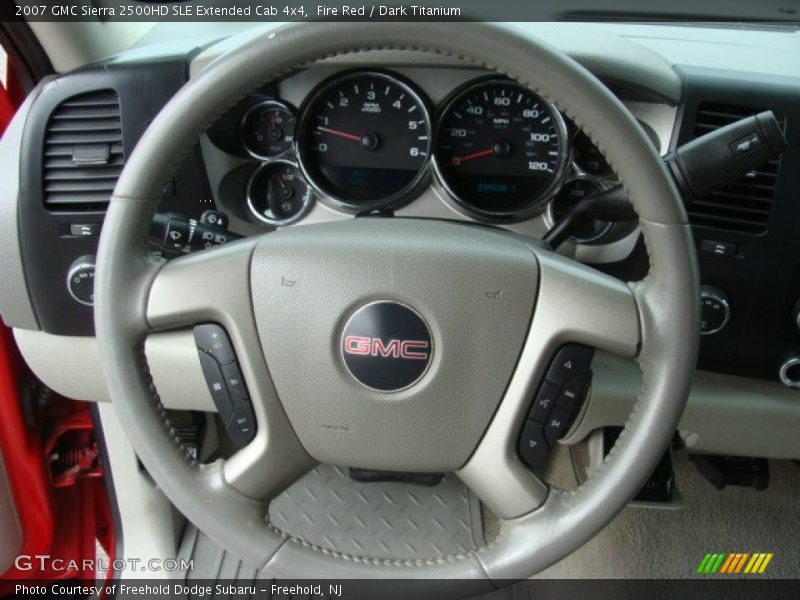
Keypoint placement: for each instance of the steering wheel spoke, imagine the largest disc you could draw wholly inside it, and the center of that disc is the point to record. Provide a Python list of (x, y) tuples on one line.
[(214, 286), (206, 286), (575, 304)]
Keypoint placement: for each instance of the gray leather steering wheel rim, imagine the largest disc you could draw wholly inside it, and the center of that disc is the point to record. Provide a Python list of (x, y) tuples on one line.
[(666, 301)]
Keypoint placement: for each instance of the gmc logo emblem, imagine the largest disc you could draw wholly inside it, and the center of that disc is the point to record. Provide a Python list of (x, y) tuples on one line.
[(372, 346)]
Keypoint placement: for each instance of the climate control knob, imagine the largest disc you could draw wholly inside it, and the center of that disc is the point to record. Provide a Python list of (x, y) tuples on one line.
[(715, 309), (80, 280)]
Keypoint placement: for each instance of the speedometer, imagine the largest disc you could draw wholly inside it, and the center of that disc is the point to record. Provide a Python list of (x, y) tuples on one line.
[(500, 150), (365, 140)]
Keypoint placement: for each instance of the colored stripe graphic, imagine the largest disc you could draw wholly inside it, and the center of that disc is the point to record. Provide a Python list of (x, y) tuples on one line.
[(727, 564), (734, 563), (767, 558), (703, 563)]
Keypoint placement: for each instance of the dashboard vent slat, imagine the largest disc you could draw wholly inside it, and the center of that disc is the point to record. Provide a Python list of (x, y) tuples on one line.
[(745, 205), (85, 125)]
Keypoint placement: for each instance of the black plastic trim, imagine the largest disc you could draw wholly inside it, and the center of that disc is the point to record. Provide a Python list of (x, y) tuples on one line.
[(47, 247)]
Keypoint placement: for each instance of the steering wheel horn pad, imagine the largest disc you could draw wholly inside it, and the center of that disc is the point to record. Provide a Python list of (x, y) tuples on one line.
[(497, 306), (474, 288)]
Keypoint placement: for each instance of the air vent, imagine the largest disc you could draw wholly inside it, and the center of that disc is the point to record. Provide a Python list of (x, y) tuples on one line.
[(745, 205), (83, 153)]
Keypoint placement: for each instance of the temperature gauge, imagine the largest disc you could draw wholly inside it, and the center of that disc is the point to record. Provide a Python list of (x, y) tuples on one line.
[(277, 194), (267, 129)]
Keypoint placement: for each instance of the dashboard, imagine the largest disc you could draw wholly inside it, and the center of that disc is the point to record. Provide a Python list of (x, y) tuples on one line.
[(414, 135)]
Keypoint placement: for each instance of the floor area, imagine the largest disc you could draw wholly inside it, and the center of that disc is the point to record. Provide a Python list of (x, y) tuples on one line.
[(650, 543)]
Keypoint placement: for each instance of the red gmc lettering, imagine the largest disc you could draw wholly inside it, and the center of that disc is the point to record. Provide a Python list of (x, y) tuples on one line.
[(367, 346)]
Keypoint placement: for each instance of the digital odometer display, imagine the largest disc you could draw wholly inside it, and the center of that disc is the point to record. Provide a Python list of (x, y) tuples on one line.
[(500, 150), (365, 139)]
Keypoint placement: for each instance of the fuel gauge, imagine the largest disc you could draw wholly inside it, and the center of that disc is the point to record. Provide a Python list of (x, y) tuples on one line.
[(277, 194)]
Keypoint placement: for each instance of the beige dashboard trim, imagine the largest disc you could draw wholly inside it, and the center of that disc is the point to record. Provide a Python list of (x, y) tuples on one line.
[(71, 366), (725, 414)]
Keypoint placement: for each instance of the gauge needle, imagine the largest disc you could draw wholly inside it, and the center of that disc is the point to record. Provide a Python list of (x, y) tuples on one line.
[(457, 160), (344, 134)]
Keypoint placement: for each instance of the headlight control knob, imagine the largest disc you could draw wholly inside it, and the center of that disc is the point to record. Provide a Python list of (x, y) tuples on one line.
[(80, 280), (790, 372), (715, 309)]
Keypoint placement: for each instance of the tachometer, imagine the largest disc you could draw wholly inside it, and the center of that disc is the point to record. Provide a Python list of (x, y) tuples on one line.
[(500, 150), (365, 140)]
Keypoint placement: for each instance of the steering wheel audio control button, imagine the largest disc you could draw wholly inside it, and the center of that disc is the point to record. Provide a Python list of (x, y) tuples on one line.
[(559, 398), (573, 392), (212, 339), (545, 400), (571, 360), (216, 385), (556, 425), (532, 444)]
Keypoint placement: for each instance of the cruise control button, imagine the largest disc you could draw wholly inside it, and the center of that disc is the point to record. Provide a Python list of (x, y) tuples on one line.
[(556, 425), (544, 402), (211, 338), (235, 382), (532, 444), (573, 392), (242, 425), (216, 385), (571, 360)]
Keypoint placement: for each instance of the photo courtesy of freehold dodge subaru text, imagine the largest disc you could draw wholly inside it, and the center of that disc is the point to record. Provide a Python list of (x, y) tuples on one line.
[(399, 300)]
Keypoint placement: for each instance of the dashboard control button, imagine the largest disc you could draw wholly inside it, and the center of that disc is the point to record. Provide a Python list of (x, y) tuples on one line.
[(715, 310), (544, 402), (556, 425), (573, 392), (719, 248), (212, 339), (84, 229), (216, 385), (532, 444), (789, 372), (242, 425), (235, 382), (80, 280), (570, 360)]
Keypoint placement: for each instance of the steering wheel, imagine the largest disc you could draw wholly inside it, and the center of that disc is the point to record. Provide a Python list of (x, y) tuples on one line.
[(486, 355)]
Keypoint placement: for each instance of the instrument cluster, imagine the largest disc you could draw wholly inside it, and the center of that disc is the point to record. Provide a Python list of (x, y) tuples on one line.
[(370, 140)]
